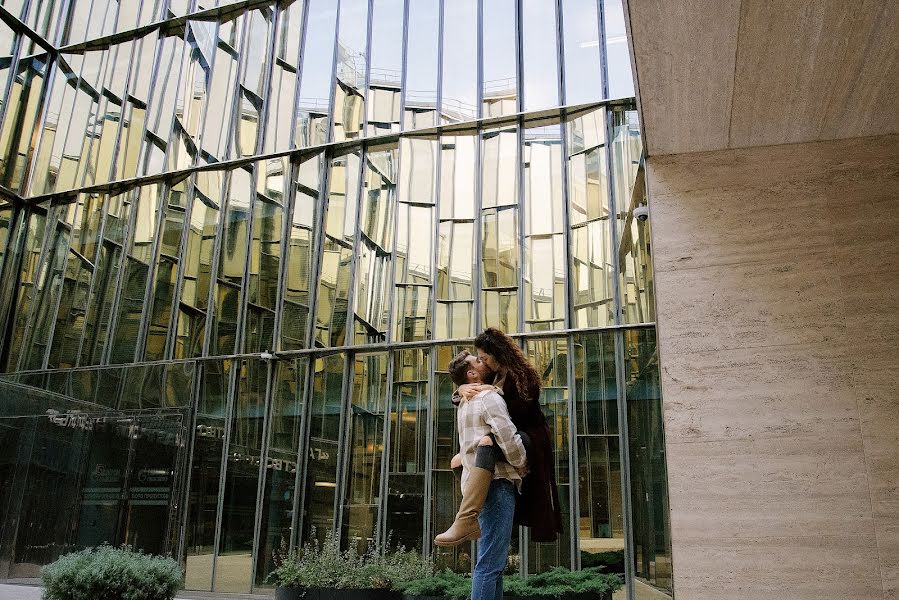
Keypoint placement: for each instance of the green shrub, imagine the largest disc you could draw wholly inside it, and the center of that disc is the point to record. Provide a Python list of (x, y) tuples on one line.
[(551, 584), (325, 565), (107, 573)]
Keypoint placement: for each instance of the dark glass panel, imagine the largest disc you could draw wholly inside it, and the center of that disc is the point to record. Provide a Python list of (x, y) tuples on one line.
[(279, 493), (365, 440), (406, 464), (233, 570), (322, 453), (648, 471)]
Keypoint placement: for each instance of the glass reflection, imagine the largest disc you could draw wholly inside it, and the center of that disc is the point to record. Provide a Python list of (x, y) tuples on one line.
[(499, 91), (459, 98), (583, 67), (352, 66), (422, 40), (539, 59), (315, 81)]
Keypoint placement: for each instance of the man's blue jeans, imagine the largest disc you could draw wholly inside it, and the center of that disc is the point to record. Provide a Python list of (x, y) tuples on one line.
[(493, 547)]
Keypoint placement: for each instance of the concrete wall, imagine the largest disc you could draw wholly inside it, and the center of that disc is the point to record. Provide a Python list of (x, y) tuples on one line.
[(777, 277)]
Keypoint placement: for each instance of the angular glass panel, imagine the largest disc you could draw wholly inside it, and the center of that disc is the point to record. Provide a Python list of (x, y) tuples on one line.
[(637, 284), (500, 59), (316, 81), (223, 89), (298, 275), (21, 117), (406, 464), (206, 467), (500, 256), (544, 268), (135, 109), (232, 261), (386, 69), (459, 96), (28, 282), (539, 59), (583, 69), (234, 559), (161, 110), (550, 359), (323, 451), (374, 260), (192, 94), (499, 155), (278, 135), (646, 450), (337, 251), (618, 59), (279, 493), (352, 65), (255, 53), (365, 440), (422, 40), (500, 309), (49, 156)]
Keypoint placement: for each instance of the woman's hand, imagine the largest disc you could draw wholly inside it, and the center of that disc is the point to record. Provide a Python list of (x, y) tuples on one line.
[(467, 391)]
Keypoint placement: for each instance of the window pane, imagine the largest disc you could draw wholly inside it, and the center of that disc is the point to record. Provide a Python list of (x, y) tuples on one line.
[(500, 88), (618, 60), (423, 37), (539, 54), (352, 63), (583, 69), (460, 61), (315, 81), (386, 66)]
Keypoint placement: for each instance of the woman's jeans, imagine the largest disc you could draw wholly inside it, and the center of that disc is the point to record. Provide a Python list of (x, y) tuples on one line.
[(493, 547)]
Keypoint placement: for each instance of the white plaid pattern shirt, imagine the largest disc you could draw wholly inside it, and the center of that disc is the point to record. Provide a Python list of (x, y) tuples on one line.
[(484, 414)]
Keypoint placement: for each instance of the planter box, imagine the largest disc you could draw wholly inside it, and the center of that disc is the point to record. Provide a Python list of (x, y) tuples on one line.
[(334, 594)]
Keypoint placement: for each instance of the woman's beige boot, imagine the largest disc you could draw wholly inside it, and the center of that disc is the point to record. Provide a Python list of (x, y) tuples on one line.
[(465, 527)]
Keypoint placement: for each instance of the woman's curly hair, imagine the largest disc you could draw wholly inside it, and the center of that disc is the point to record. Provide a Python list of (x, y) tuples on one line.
[(509, 355)]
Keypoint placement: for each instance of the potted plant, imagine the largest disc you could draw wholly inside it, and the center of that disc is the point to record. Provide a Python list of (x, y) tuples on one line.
[(321, 571), (562, 584), (111, 573), (445, 585)]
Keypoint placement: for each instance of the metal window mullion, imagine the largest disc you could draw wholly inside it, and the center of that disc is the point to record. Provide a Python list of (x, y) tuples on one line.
[(438, 112), (624, 454), (522, 226), (430, 437), (342, 450), (613, 215), (404, 57), (603, 63), (383, 488), (243, 308), (233, 375), (150, 289), (391, 290), (574, 484), (479, 95), (263, 470), (366, 96), (478, 294), (435, 239), (171, 334), (560, 51), (299, 493), (519, 55)]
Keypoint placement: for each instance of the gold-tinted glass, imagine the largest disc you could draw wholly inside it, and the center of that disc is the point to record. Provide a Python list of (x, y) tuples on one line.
[(161, 107), (31, 264), (592, 262), (21, 115), (280, 97), (337, 251), (374, 258), (365, 428), (223, 87), (298, 273), (544, 267), (316, 82), (192, 94), (500, 58), (352, 65)]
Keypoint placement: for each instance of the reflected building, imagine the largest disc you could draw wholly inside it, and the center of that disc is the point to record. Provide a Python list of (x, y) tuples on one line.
[(241, 241)]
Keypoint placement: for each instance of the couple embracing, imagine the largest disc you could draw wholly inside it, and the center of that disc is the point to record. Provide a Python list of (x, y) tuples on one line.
[(506, 457)]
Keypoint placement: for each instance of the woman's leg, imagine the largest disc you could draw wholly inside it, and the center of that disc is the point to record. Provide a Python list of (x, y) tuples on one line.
[(474, 494)]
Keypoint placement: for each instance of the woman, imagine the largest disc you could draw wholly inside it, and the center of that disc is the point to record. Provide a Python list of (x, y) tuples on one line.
[(538, 505)]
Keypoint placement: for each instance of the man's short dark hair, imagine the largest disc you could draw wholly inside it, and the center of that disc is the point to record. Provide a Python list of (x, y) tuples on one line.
[(458, 368)]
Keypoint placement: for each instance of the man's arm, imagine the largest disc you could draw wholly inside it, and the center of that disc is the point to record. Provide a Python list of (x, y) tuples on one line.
[(496, 414)]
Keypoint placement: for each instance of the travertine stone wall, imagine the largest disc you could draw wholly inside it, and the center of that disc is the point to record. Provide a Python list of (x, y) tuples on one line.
[(777, 277)]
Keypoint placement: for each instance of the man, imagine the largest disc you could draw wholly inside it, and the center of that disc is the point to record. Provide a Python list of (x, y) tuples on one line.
[(488, 486)]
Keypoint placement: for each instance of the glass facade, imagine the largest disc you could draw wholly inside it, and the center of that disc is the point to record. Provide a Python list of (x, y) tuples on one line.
[(240, 242)]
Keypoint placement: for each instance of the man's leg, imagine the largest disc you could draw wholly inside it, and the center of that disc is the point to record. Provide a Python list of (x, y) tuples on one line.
[(493, 547)]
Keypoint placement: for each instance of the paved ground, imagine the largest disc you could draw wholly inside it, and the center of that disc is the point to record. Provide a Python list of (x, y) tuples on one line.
[(28, 592)]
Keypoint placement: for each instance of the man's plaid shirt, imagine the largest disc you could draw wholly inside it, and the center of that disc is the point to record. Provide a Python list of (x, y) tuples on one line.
[(484, 414)]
